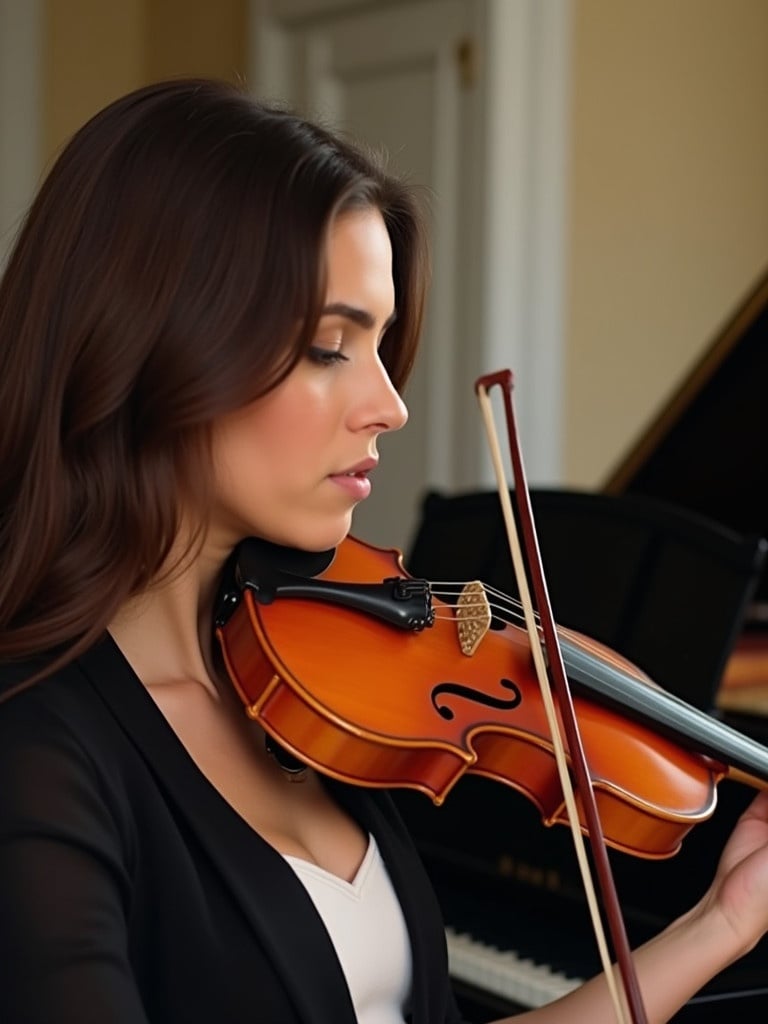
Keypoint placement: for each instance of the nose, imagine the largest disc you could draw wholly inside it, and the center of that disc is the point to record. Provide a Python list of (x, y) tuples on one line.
[(380, 408)]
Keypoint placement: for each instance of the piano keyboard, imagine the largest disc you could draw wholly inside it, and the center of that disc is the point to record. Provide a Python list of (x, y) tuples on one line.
[(503, 973)]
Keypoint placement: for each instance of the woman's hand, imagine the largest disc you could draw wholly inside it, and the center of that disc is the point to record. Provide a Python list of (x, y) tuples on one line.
[(739, 890), (726, 923)]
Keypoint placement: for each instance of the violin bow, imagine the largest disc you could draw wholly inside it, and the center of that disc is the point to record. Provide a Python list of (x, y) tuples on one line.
[(632, 999)]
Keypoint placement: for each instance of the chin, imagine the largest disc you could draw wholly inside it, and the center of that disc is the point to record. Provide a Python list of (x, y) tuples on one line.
[(313, 537), (327, 541)]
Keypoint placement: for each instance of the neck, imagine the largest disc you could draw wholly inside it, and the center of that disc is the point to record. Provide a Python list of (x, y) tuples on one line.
[(166, 631)]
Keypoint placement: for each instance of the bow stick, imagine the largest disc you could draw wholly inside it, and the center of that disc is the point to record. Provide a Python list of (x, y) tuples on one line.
[(631, 991)]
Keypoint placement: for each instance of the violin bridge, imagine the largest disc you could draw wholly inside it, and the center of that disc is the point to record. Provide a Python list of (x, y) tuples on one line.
[(473, 616)]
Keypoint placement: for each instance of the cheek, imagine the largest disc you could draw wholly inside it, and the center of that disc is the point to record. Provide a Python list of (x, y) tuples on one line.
[(292, 413), (299, 420), (273, 433)]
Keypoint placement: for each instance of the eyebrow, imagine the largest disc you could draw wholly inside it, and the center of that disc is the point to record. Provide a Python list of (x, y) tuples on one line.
[(358, 316)]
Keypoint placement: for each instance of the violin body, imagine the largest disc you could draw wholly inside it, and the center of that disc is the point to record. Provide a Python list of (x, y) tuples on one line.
[(364, 702)]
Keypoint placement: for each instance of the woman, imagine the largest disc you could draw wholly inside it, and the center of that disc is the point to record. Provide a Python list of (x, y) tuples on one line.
[(204, 328)]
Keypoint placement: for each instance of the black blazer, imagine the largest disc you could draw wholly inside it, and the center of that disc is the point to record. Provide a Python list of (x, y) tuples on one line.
[(130, 891)]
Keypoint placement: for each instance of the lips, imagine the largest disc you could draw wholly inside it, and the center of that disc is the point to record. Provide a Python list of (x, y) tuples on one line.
[(355, 479), (362, 467)]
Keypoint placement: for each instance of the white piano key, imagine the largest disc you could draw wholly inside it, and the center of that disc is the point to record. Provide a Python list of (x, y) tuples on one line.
[(504, 973)]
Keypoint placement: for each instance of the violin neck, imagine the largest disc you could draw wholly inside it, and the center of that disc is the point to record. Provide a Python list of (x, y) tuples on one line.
[(613, 686)]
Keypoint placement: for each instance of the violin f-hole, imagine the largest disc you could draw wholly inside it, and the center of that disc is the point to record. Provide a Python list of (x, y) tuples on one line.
[(477, 696)]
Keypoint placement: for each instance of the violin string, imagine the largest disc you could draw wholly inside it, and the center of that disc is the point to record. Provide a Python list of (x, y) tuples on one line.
[(504, 602), (510, 613)]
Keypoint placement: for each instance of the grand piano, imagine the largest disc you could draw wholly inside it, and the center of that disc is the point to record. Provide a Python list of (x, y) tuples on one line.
[(517, 925)]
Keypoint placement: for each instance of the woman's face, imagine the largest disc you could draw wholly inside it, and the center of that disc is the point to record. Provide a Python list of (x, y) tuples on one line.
[(291, 466)]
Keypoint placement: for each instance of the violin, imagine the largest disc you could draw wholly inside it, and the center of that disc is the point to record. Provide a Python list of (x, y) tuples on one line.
[(372, 677)]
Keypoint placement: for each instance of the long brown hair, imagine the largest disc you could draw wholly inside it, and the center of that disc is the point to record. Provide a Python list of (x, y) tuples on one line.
[(157, 283)]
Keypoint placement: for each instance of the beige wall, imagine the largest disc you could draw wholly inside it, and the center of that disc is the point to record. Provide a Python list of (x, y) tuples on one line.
[(668, 204), (93, 52), (97, 50), (196, 37)]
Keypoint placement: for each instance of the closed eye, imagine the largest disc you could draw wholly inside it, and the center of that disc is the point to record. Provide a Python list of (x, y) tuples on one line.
[(326, 356)]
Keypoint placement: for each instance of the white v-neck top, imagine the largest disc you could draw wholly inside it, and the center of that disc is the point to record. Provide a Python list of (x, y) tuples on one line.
[(366, 925)]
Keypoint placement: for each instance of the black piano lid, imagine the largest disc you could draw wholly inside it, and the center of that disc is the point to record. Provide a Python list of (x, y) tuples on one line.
[(708, 448)]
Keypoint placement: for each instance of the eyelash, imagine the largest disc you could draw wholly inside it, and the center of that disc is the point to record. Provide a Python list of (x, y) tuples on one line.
[(326, 356)]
